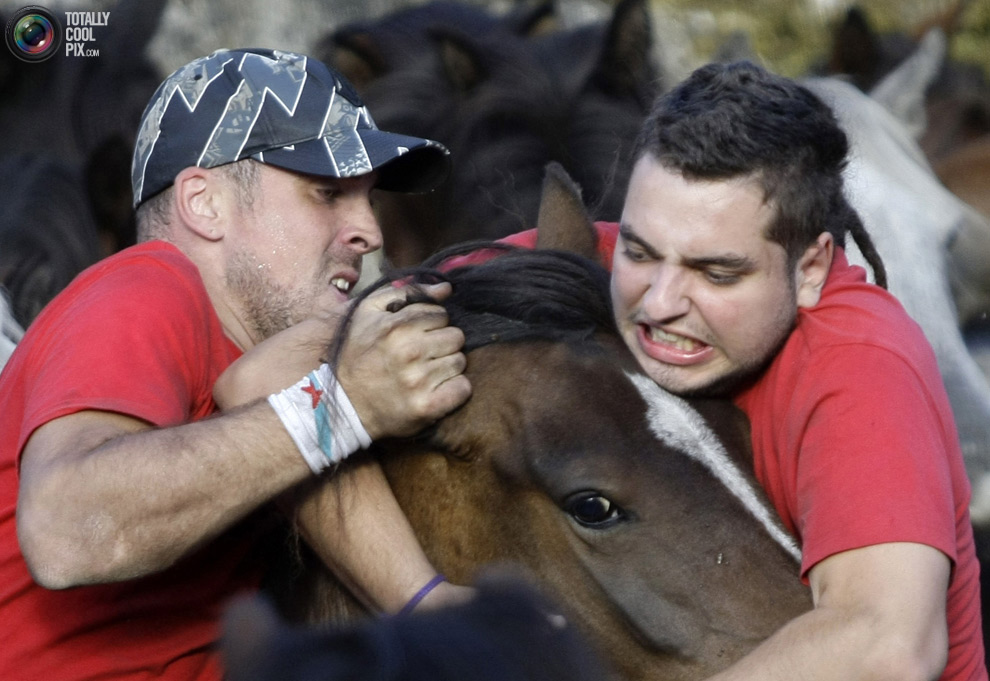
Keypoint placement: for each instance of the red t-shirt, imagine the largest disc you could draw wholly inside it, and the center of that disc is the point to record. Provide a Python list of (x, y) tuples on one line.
[(134, 334), (854, 439), (855, 443)]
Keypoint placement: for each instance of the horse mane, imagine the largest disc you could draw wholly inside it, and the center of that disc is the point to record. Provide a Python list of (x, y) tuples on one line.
[(518, 295), (526, 294)]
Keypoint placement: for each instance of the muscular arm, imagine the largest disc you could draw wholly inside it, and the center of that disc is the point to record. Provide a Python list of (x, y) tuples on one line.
[(104, 497), (355, 525), (879, 614)]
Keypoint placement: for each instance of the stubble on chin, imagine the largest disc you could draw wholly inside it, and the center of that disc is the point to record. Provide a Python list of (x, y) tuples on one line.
[(267, 306), (731, 383)]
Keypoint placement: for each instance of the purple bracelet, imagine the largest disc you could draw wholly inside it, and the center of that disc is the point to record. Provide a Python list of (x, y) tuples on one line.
[(421, 594)]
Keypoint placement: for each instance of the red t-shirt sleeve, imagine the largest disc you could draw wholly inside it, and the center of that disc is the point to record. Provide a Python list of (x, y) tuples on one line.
[(133, 342), (608, 233), (872, 465)]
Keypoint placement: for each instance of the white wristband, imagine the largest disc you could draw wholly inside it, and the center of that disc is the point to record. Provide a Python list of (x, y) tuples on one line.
[(321, 420)]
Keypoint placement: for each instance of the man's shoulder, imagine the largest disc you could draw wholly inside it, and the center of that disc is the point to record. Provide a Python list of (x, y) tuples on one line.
[(149, 259), (853, 310), (149, 273), (136, 286)]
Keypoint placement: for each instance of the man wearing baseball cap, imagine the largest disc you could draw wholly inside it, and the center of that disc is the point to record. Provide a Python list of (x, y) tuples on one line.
[(129, 507)]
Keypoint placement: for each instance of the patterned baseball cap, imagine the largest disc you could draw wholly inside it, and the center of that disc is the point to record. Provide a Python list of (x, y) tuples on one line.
[(280, 108)]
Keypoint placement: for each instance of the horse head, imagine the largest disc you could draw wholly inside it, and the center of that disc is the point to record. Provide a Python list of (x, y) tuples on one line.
[(635, 510)]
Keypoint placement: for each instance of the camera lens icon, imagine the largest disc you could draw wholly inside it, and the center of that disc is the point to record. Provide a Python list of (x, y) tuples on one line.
[(33, 34)]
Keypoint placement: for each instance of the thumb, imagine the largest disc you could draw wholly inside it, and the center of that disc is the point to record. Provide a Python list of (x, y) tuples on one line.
[(438, 291)]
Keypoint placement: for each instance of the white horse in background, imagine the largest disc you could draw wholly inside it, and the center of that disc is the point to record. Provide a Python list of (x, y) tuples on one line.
[(914, 222), (10, 331)]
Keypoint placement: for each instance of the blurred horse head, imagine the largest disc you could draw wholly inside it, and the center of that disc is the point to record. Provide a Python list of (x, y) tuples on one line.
[(506, 99)]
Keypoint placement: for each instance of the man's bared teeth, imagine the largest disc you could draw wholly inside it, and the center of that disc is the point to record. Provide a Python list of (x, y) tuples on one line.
[(341, 284), (680, 342)]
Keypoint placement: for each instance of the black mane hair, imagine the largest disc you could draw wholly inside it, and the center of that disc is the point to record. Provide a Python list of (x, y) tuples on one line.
[(517, 295)]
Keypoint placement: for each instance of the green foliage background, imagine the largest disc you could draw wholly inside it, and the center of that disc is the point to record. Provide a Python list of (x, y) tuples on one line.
[(791, 35)]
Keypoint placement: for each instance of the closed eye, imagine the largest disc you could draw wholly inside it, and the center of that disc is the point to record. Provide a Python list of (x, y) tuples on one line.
[(720, 278), (633, 254), (594, 510), (329, 193)]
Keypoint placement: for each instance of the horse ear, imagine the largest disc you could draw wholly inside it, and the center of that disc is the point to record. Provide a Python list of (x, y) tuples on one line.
[(902, 91), (533, 21), (855, 48), (460, 60), (563, 222), (355, 54), (626, 64)]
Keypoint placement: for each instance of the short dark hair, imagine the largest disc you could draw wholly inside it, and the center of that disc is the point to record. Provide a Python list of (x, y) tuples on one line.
[(153, 215), (738, 119)]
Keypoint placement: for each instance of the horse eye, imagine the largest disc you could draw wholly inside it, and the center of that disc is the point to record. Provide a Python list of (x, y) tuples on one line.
[(593, 510)]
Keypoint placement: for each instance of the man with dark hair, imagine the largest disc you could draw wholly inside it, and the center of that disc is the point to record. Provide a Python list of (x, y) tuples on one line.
[(729, 278), (128, 514)]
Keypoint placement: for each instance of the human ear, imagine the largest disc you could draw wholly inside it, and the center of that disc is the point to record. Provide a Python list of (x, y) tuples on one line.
[(812, 270), (199, 202)]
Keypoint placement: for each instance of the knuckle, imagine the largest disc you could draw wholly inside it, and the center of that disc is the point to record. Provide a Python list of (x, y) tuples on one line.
[(454, 337)]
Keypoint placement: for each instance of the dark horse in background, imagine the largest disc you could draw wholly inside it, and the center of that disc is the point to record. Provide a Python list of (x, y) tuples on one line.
[(633, 509), (68, 130), (957, 102), (507, 94), (508, 631)]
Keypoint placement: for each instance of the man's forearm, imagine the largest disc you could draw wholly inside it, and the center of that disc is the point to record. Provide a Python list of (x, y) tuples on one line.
[(879, 614), (826, 646), (102, 501), (355, 525)]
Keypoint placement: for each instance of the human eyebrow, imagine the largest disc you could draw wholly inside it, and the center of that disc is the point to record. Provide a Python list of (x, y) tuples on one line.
[(740, 264), (627, 234)]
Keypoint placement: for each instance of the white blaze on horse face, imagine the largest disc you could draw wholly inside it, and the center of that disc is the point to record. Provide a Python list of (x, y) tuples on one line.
[(676, 424)]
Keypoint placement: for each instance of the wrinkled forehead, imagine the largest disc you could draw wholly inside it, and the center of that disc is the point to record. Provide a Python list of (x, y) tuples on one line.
[(665, 204)]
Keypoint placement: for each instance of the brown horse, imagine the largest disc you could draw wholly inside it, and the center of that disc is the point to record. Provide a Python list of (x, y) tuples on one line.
[(635, 510), (966, 172)]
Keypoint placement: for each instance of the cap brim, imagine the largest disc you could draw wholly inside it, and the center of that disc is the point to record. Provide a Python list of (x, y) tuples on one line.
[(404, 163)]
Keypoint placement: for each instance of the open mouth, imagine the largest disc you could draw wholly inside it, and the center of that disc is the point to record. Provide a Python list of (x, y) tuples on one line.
[(672, 348), (680, 342), (342, 285)]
